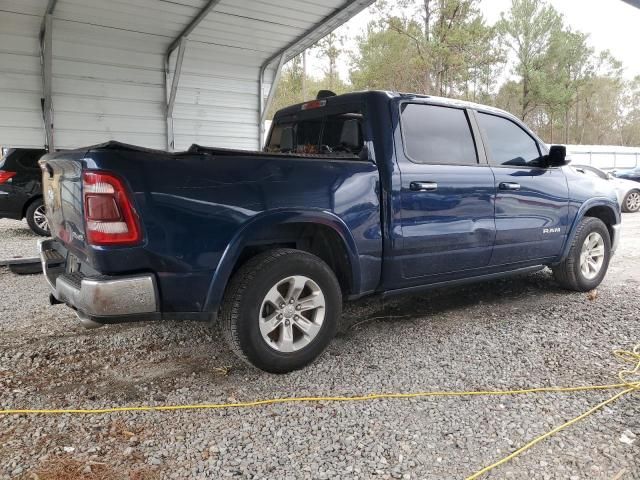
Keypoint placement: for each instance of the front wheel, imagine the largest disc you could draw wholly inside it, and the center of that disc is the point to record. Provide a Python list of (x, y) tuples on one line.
[(281, 310), (37, 218), (631, 202), (588, 259)]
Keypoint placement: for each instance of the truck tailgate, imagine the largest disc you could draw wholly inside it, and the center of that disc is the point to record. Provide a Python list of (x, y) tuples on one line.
[(62, 190)]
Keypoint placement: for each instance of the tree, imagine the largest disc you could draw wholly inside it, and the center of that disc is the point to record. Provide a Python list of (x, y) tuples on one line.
[(330, 48), (567, 68), (441, 47), (527, 29), (295, 84), (563, 89), (388, 60), (630, 130)]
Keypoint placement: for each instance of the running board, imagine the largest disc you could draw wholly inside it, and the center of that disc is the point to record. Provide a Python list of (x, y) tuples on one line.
[(462, 281)]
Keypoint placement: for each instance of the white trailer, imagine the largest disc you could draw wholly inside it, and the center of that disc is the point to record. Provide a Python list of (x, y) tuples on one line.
[(605, 157)]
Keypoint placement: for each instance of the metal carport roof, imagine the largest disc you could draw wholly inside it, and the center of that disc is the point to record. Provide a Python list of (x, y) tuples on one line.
[(94, 70)]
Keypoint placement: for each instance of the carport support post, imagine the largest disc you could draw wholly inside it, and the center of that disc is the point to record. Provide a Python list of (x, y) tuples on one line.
[(46, 48), (264, 106), (174, 89), (180, 43)]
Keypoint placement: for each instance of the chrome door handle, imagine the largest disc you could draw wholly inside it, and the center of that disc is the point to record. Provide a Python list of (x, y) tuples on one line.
[(423, 186), (509, 186)]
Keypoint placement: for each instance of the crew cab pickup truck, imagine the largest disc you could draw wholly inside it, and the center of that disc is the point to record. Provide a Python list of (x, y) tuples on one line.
[(370, 193)]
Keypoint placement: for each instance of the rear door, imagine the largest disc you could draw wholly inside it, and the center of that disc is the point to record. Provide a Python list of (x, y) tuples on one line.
[(446, 195), (531, 201)]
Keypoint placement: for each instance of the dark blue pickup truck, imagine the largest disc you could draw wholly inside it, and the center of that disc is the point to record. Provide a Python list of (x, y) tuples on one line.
[(358, 194)]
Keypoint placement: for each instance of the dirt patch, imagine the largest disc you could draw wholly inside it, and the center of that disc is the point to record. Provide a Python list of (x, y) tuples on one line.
[(66, 468)]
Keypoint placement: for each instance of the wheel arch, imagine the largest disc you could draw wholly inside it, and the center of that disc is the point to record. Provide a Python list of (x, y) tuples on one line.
[(28, 203), (319, 232), (602, 208)]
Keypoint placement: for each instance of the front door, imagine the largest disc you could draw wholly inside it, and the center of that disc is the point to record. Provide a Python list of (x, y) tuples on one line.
[(446, 195), (532, 202)]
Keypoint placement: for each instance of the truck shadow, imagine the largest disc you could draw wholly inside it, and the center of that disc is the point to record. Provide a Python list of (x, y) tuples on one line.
[(434, 303)]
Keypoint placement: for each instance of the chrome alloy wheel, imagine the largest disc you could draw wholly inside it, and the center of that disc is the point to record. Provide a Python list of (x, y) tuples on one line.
[(633, 202), (592, 255), (292, 313), (40, 218)]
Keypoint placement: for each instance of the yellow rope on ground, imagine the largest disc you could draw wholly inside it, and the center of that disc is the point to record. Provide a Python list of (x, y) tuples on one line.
[(271, 401), (548, 434), (629, 378)]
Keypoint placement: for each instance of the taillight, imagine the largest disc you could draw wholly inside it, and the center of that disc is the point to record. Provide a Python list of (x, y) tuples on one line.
[(109, 216), (4, 176)]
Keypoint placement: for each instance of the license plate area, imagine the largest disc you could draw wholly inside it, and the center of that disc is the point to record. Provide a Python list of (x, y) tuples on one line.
[(73, 264)]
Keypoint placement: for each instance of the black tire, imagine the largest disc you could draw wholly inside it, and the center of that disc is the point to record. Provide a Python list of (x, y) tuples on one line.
[(35, 208), (568, 273), (629, 206), (241, 310)]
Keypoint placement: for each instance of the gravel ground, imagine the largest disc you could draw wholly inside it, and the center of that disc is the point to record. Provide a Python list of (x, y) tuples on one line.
[(504, 334), (17, 240)]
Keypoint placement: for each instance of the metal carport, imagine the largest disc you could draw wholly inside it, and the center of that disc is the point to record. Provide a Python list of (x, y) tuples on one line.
[(156, 73)]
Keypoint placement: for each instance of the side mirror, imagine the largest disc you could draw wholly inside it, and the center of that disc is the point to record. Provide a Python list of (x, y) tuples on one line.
[(557, 156)]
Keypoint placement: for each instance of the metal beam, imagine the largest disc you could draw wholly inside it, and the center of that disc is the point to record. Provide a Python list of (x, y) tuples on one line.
[(264, 106), (193, 24), (171, 98), (179, 42), (46, 63), (51, 6), (320, 30), (176, 76)]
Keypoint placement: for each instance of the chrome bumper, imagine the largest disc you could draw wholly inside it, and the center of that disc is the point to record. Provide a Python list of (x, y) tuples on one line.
[(101, 298), (615, 241)]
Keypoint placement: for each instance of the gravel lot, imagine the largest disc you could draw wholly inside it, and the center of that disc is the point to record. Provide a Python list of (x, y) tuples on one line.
[(17, 240), (504, 334)]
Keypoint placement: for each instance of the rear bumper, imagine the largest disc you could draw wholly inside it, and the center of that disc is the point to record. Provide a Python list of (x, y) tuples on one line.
[(99, 299)]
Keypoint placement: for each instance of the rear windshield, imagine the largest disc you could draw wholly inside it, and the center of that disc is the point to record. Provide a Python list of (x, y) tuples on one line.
[(321, 131)]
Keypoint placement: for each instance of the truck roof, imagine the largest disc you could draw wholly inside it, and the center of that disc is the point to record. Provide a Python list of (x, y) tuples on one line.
[(360, 96)]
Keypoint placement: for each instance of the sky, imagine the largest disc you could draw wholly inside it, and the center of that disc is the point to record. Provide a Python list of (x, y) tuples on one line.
[(611, 24)]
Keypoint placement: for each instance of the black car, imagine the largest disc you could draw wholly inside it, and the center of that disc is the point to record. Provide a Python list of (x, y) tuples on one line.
[(21, 188), (633, 174)]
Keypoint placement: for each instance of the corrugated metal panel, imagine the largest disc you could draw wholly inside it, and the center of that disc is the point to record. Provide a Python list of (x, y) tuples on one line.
[(108, 67), (117, 85), (21, 121), (217, 102)]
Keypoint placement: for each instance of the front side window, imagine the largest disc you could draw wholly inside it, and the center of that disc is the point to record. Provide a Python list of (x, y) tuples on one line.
[(437, 135), (509, 144)]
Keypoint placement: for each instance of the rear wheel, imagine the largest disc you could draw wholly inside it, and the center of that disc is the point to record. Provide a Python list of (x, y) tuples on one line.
[(281, 310), (588, 259), (631, 202), (37, 218)]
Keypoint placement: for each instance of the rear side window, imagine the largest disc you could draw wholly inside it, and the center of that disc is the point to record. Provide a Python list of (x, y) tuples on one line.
[(437, 135), (509, 144)]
